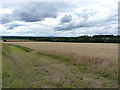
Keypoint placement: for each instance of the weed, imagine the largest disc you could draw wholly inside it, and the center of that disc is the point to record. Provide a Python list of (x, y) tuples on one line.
[(104, 74)]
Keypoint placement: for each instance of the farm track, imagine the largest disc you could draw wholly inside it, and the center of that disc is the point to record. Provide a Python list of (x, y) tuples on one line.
[(25, 69)]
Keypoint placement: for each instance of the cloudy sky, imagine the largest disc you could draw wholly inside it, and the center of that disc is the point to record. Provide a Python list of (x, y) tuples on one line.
[(85, 17)]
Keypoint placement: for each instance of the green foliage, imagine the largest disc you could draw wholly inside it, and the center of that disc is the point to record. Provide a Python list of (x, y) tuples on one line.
[(105, 75), (95, 38), (69, 86), (5, 75)]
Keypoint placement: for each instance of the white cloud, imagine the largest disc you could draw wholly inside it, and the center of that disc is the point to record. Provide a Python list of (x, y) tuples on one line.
[(5, 11), (60, 19)]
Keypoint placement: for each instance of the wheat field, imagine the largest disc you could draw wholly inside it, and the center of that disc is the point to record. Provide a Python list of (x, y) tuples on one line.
[(99, 58)]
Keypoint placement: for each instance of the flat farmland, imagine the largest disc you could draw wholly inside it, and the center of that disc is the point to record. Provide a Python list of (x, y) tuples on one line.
[(94, 53), (0, 65), (95, 63)]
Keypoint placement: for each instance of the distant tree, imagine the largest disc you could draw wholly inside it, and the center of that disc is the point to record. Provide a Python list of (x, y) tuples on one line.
[(5, 40)]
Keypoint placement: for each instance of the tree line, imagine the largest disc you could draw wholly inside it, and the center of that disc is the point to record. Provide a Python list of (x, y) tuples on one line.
[(85, 38)]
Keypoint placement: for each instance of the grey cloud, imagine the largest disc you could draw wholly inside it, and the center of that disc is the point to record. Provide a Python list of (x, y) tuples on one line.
[(87, 13), (81, 24), (66, 18), (63, 27), (86, 22), (7, 18), (35, 12), (74, 23), (112, 18), (71, 26), (12, 25), (31, 12)]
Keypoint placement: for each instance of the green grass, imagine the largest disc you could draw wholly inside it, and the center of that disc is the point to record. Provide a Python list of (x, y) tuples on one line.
[(23, 48), (0, 65), (55, 56), (105, 75), (23, 68)]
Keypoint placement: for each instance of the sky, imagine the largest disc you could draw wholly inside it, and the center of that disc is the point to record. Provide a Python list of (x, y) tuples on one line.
[(61, 19)]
